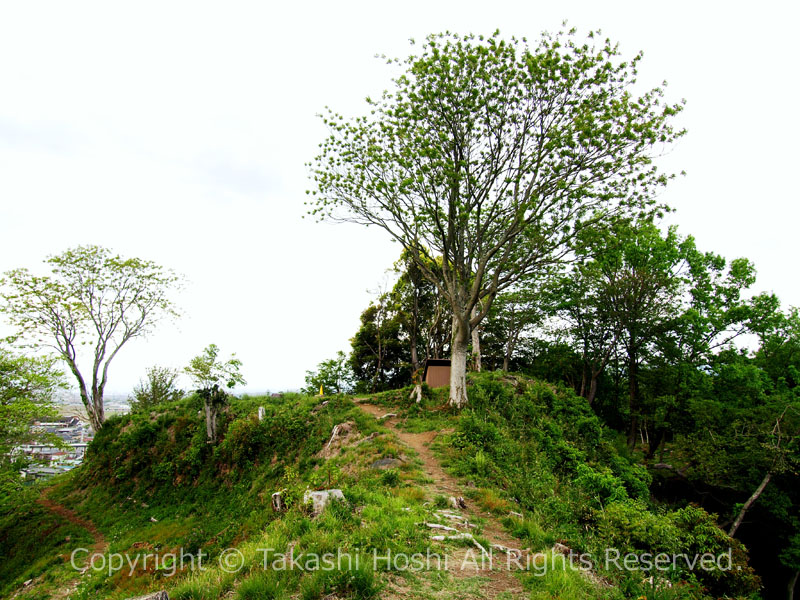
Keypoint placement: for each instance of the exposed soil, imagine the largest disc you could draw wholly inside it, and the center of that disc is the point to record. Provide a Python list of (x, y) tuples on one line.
[(500, 580), (98, 547)]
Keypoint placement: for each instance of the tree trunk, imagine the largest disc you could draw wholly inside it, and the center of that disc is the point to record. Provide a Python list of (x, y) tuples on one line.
[(750, 501), (88, 403), (476, 342), (378, 367), (633, 401), (99, 412), (95, 420), (211, 421), (458, 361), (414, 354), (583, 393), (511, 345), (414, 333), (655, 442), (791, 585), (592, 390)]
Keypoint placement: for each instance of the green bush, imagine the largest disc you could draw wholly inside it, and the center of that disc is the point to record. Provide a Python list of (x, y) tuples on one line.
[(356, 582), (390, 477), (601, 486), (629, 526)]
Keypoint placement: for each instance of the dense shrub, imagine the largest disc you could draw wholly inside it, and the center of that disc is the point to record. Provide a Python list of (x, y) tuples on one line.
[(545, 447)]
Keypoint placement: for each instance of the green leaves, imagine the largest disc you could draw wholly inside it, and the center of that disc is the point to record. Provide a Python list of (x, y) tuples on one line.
[(494, 154), (334, 376), (208, 371), (159, 386), (91, 297), (27, 386)]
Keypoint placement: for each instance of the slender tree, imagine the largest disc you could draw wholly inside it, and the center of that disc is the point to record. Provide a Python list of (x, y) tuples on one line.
[(588, 323), (91, 297), (210, 374), (379, 358), (493, 154), (514, 314)]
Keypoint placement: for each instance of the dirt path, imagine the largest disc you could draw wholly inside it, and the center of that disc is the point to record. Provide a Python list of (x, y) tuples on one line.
[(99, 545), (501, 583)]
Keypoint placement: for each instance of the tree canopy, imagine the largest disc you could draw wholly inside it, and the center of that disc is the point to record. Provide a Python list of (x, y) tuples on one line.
[(493, 154), (211, 374), (158, 386), (91, 297), (27, 386)]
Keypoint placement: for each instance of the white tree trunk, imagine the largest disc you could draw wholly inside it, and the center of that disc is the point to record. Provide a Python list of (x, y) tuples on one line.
[(458, 362), (211, 422), (750, 501), (476, 342)]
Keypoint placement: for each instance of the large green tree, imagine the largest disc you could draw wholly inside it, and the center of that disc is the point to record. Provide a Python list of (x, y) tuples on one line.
[(712, 313), (585, 319), (627, 292), (513, 316), (379, 357), (91, 297), (741, 447), (493, 154)]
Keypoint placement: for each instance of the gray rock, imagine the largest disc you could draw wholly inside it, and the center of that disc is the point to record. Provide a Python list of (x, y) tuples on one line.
[(457, 502), (162, 595), (386, 463), (562, 549), (321, 499)]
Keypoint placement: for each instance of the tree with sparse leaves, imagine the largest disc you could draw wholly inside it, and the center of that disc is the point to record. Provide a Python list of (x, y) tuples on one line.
[(158, 386), (209, 374), (493, 154), (91, 297)]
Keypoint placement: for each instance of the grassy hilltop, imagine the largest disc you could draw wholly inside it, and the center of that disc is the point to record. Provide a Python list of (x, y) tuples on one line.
[(538, 471)]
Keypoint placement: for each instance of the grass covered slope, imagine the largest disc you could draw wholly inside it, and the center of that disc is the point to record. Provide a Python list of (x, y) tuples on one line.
[(537, 448), (152, 485)]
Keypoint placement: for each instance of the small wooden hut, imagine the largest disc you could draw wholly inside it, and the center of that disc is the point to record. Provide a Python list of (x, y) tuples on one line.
[(437, 372)]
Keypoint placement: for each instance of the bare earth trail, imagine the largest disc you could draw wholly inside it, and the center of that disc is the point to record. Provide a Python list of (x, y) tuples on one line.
[(99, 545), (501, 584)]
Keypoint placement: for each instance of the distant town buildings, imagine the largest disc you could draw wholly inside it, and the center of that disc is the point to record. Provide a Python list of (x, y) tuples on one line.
[(52, 459)]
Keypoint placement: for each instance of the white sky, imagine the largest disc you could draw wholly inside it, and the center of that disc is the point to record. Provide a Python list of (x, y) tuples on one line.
[(179, 132)]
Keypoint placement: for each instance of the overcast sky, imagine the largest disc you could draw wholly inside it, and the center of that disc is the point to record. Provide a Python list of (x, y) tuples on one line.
[(179, 132)]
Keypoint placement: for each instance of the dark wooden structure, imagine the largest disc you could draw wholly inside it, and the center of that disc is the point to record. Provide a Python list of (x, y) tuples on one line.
[(437, 372)]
